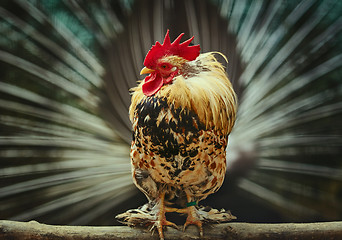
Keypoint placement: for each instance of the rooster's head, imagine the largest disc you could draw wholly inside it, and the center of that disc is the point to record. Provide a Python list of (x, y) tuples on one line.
[(165, 61)]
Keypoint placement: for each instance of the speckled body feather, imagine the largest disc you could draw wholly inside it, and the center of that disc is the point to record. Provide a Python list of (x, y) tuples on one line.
[(180, 134)]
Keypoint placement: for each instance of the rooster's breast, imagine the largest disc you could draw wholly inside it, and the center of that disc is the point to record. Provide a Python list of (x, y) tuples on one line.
[(174, 148)]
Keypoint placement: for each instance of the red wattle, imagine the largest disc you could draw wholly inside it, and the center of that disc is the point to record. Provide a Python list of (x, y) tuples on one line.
[(152, 84)]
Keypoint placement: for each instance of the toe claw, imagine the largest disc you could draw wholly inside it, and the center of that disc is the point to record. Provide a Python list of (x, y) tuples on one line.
[(198, 223), (171, 224), (160, 225), (193, 219)]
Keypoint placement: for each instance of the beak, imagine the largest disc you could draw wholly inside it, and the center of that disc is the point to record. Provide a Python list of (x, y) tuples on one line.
[(146, 70)]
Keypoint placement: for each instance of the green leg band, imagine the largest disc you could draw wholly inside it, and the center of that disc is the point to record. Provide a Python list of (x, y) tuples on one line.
[(189, 204)]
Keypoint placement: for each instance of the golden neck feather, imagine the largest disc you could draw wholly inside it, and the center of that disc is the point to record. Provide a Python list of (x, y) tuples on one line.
[(205, 89)]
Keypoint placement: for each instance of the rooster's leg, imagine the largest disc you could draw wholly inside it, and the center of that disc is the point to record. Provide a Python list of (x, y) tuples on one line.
[(193, 217), (161, 219)]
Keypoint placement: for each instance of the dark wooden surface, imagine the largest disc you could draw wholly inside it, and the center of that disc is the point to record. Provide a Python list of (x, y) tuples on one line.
[(13, 230)]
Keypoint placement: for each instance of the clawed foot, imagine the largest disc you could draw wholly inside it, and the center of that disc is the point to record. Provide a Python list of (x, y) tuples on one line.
[(161, 218), (159, 224), (193, 219)]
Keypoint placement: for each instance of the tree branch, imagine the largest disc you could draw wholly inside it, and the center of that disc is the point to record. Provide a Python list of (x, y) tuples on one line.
[(246, 231)]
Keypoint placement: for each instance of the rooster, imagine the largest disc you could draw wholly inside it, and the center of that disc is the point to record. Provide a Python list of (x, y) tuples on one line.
[(182, 114)]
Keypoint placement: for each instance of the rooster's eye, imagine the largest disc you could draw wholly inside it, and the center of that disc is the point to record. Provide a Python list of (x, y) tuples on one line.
[(164, 66)]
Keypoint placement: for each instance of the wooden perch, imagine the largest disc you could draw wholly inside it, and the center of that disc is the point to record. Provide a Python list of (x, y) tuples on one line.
[(251, 231)]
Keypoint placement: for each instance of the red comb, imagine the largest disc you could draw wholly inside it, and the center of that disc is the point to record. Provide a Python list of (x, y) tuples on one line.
[(167, 48)]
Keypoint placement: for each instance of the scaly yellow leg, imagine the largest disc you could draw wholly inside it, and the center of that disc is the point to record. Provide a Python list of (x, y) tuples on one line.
[(161, 219), (193, 218)]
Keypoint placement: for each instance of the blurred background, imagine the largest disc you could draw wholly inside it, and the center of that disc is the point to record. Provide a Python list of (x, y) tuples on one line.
[(66, 68)]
